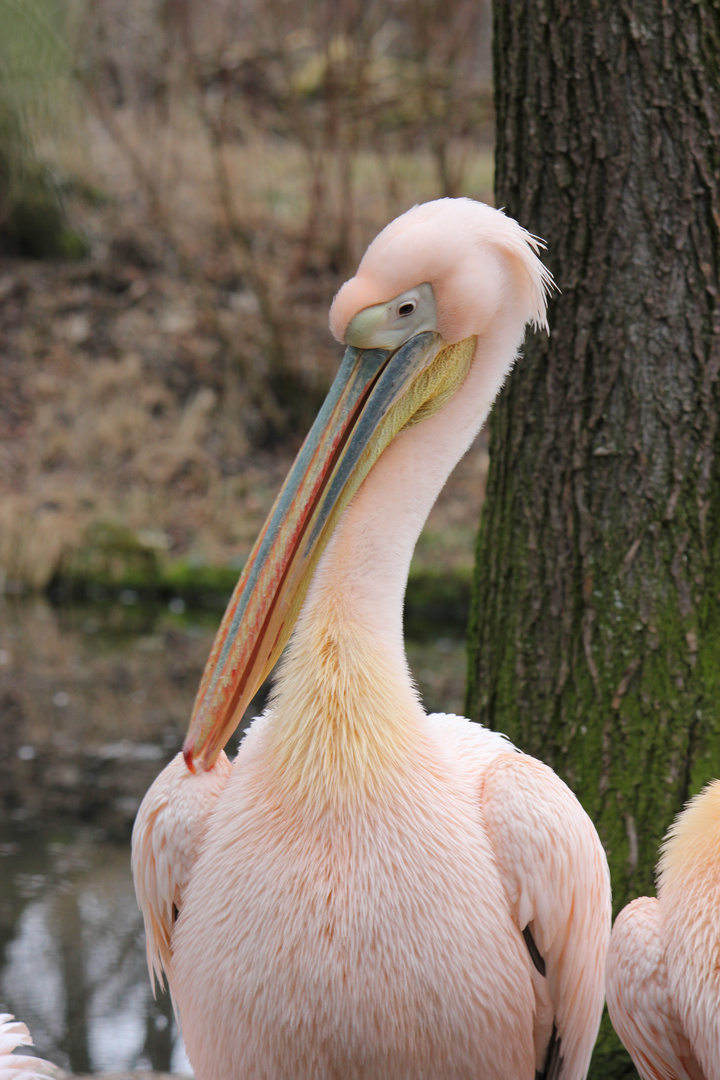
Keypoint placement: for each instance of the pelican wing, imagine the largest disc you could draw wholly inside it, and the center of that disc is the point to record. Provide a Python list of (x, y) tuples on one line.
[(556, 876), (19, 1066), (167, 835), (639, 997)]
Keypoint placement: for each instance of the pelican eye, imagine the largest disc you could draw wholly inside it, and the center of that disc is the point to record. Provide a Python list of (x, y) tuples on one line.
[(390, 324)]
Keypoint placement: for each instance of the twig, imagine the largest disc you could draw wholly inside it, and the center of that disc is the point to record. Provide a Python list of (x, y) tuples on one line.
[(258, 388)]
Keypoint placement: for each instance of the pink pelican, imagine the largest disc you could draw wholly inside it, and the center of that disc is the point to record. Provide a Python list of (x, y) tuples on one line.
[(663, 969), (19, 1066), (368, 892)]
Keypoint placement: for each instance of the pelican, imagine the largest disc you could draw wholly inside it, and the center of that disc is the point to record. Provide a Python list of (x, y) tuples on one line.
[(663, 968), (368, 892), (14, 1066)]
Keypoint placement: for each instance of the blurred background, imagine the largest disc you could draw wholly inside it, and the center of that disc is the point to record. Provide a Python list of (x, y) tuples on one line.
[(183, 187)]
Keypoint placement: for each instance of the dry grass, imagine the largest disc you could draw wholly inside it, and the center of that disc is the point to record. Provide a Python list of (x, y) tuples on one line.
[(163, 384), (125, 410)]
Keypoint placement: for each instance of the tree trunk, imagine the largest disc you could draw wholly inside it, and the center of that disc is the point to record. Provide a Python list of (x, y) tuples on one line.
[(595, 632)]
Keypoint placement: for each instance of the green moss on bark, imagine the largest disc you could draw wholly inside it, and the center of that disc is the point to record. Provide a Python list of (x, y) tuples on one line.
[(595, 625)]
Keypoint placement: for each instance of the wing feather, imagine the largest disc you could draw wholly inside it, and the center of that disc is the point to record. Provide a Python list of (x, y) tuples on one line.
[(14, 1066), (167, 835), (640, 999), (556, 877)]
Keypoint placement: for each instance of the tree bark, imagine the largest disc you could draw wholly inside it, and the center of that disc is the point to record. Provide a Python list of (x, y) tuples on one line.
[(595, 629)]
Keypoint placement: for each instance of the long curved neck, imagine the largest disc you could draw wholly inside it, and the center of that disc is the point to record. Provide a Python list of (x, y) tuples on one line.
[(344, 707)]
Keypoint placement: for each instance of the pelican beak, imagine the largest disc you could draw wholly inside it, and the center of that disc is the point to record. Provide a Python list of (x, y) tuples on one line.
[(375, 394)]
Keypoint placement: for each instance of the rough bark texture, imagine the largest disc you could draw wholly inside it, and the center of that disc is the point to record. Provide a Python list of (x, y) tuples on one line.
[(595, 634)]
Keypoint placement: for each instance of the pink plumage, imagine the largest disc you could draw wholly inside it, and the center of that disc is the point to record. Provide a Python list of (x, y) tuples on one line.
[(14, 1066), (368, 891), (663, 969)]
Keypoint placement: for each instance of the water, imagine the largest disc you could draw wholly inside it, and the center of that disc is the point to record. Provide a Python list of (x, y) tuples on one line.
[(94, 701), (72, 958)]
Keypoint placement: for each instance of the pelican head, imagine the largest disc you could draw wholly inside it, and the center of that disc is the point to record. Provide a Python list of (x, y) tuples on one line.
[(431, 286)]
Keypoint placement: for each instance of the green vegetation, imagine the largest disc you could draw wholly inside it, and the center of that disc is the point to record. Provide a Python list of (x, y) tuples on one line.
[(35, 100), (113, 559)]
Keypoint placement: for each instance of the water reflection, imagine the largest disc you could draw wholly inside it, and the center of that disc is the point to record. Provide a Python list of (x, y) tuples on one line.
[(72, 954), (93, 702)]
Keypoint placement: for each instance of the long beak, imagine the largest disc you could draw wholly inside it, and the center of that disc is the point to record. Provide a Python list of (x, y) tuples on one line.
[(371, 399)]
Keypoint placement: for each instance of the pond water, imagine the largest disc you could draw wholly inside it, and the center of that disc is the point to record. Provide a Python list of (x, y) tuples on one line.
[(94, 700), (72, 962)]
